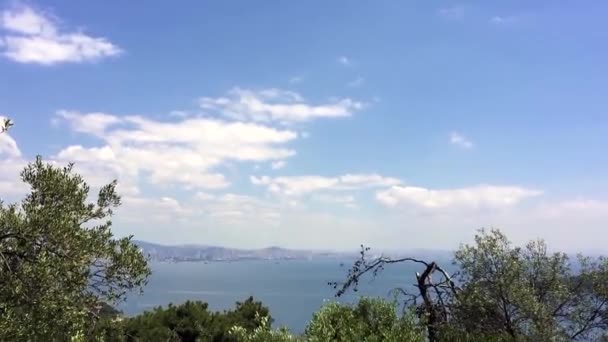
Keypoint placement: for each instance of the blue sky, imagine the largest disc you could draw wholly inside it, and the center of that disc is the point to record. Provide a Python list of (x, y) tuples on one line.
[(318, 124)]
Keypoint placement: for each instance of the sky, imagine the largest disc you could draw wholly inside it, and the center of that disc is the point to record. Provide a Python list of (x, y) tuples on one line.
[(318, 124)]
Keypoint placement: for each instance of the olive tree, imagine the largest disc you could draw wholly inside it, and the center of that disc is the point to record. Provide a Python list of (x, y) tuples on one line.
[(370, 320), (527, 292), (262, 333), (504, 292), (59, 261)]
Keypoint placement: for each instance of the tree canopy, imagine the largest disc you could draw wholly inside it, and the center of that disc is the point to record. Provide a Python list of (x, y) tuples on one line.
[(370, 320), (505, 292), (59, 261), (188, 322)]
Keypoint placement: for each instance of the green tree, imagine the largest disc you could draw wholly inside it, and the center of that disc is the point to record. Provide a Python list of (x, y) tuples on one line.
[(245, 315), (371, 320), (505, 293), (59, 261), (263, 333), (529, 293), (192, 321)]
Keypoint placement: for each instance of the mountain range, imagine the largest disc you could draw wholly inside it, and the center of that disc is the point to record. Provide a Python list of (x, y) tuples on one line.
[(177, 253), (192, 252)]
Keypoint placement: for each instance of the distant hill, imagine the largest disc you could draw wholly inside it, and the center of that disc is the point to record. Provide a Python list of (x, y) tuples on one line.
[(192, 252), (176, 253)]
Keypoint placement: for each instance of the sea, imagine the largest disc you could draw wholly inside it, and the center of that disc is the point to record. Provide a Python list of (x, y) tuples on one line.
[(293, 290)]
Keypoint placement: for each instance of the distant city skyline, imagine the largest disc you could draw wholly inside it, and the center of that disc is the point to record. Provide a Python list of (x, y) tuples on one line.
[(318, 125)]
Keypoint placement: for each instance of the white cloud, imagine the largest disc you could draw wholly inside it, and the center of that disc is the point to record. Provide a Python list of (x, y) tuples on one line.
[(166, 156), (149, 209), (367, 180), (183, 153), (460, 140), (300, 185), (26, 21), (204, 196), (276, 93), (90, 123), (295, 185), (357, 82), (482, 196), (346, 200), (8, 146), (234, 208), (34, 37), (581, 207), (78, 153), (453, 13), (98, 166), (10, 182), (276, 105), (345, 61), (572, 225), (278, 165), (440, 218)]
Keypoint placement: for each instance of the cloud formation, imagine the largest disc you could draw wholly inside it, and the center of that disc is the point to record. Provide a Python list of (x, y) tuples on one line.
[(241, 208), (8, 145), (460, 140), (184, 152), (11, 164), (478, 197), (278, 164), (90, 123), (347, 200), (31, 36), (301, 185), (276, 105)]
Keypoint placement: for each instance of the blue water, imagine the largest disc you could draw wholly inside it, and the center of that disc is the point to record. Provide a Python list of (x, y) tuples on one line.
[(293, 290)]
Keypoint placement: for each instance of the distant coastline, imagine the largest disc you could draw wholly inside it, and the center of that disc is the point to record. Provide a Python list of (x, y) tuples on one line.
[(202, 253), (196, 253)]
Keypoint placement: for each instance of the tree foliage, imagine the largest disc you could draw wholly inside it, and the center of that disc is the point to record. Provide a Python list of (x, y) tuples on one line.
[(530, 293), (192, 321), (370, 320), (263, 333), (58, 258), (504, 293)]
